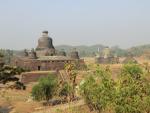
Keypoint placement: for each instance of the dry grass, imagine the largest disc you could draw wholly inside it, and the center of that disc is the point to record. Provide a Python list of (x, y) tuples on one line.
[(19, 100)]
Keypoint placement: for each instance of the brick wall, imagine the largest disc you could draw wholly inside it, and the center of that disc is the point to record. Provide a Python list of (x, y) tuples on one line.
[(28, 77)]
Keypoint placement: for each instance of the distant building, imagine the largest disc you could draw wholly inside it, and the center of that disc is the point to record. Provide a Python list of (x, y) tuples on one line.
[(61, 53), (74, 54), (44, 57), (106, 57)]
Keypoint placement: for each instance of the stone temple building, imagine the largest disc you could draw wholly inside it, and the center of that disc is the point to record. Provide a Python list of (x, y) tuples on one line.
[(45, 45), (106, 57), (45, 57)]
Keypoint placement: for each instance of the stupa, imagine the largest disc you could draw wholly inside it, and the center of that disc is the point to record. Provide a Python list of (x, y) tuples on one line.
[(45, 45)]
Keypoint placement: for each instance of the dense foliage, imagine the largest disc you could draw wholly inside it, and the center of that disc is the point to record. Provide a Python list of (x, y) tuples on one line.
[(51, 86), (129, 94), (7, 55), (45, 89), (65, 90), (7, 73), (98, 90), (72, 75)]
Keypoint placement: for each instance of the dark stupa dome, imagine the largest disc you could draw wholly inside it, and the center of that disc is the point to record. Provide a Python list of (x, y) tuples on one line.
[(62, 53), (25, 53), (74, 54), (32, 54), (45, 42)]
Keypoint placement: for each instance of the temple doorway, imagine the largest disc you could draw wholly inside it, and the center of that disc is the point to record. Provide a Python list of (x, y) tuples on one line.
[(39, 68)]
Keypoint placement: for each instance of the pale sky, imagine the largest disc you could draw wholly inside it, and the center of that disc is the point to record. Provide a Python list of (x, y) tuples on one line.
[(74, 22)]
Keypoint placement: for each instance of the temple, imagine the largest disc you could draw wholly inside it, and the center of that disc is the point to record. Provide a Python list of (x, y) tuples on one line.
[(45, 57), (45, 45), (106, 57)]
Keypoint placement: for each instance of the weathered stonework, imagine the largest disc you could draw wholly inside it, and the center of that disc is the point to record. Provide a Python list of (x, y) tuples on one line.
[(109, 60), (106, 57), (46, 63), (45, 45), (28, 77), (44, 57)]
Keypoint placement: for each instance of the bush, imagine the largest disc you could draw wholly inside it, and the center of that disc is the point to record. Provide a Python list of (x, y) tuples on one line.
[(7, 74), (130, 94), (133, 91), (133, 70), (98, 90), (66, 90), (45, 89)]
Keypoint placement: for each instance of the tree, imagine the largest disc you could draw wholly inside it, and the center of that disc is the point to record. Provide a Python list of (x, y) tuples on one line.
[(45, 89), (7, 55), (130, 94), (7, 73), (133, 91), (65, 89), (131, 69), (72, 74), (98, 90)]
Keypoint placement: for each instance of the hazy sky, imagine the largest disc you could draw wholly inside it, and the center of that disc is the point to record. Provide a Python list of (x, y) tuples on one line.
[(74, 22)]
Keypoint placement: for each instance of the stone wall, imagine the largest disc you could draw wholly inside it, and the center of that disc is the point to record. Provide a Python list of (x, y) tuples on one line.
[(109, 60), (34, 64), (34, 76)]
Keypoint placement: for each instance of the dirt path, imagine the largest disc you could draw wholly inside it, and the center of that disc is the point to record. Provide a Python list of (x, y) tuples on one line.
[(62, 107)]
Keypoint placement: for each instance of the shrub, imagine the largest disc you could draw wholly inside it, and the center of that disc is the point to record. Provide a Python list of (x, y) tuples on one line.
[(130, 94), (133, 91), (98, 90), (45, 89), (72, 75), (66, 90), (133, 70), (7, 74)]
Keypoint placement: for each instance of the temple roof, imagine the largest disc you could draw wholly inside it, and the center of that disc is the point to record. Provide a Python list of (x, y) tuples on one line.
[(45, 42)]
